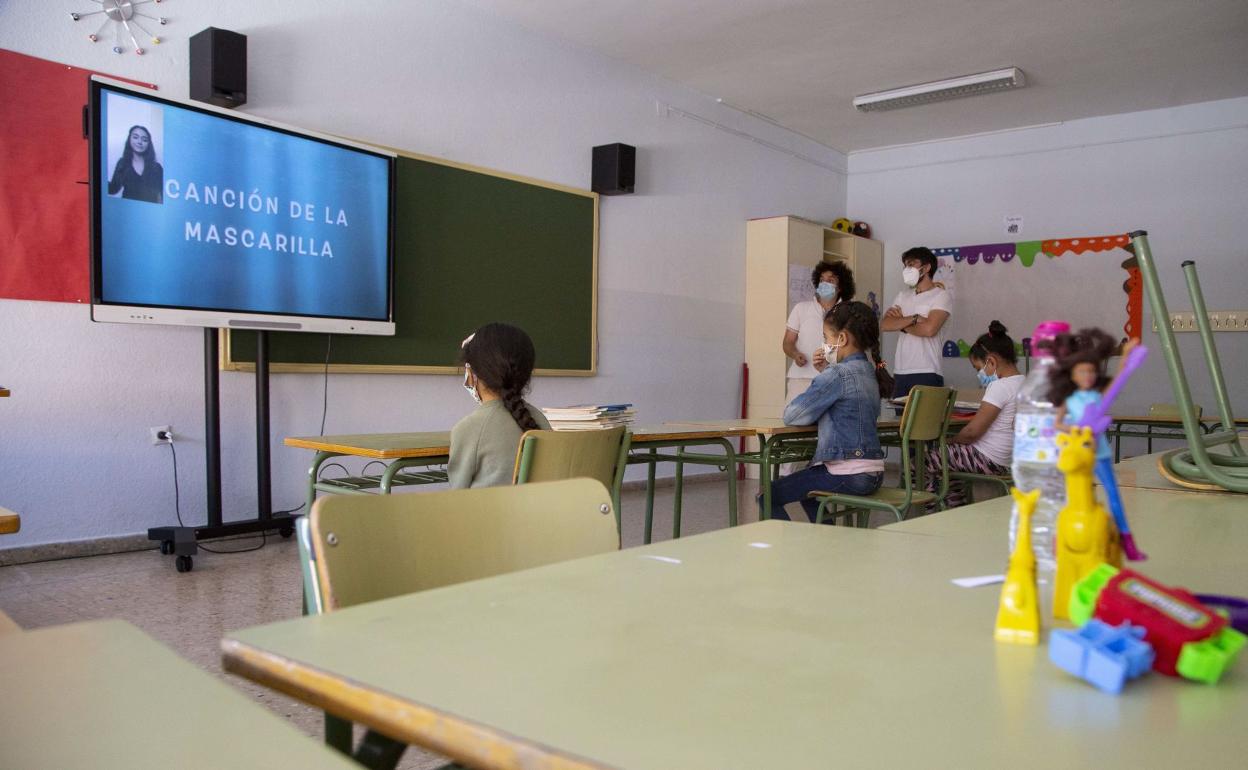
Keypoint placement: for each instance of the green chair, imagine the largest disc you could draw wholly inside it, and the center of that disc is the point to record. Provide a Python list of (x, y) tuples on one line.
[(968, 479), (362, 549), (1194, 465), (925, 419), (553, 455)]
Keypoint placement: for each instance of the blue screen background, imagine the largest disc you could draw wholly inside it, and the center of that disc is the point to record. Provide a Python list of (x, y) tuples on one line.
[(146, 257)]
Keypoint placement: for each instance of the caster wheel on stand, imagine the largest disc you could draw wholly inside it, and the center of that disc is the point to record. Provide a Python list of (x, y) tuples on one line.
[(184, 563), (166, 547), (286, 532)]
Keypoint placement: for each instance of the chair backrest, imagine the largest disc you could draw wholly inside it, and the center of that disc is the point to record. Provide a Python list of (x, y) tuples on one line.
[(552, 455), (927, 412), (313, 603), (1172, 410), (366, 548)]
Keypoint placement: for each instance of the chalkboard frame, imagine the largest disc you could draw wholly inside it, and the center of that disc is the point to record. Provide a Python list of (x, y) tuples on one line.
[(228, 363)]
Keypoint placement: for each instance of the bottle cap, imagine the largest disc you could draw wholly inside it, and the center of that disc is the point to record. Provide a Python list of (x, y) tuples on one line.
[(1047, 330)]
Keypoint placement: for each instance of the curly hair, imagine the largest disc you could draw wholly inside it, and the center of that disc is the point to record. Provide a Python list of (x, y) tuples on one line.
[(502, 356), (1087, 346), (844, 278), (859, 321)]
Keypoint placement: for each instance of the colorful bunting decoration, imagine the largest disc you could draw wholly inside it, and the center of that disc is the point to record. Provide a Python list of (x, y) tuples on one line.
[(1026, 252)]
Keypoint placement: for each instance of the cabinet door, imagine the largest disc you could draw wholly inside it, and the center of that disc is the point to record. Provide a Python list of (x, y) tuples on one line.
[(869, 273)]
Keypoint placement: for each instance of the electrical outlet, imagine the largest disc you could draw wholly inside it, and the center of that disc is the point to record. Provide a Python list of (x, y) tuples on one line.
[(156, 431), (1219, 321)]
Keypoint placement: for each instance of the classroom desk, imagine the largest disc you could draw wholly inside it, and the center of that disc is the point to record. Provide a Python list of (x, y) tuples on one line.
[(773, 644), (397, 452), (1171, 425), (105, 695), (644, 449), (4, 392), (8, 625), (1194, 540), (780, 444), (10, 522), (400, 452)]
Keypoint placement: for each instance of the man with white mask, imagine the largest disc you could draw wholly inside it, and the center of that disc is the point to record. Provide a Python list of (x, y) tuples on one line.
[(919, 313)]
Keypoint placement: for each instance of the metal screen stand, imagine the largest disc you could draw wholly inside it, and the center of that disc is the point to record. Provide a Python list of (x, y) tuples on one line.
[(182, 542)]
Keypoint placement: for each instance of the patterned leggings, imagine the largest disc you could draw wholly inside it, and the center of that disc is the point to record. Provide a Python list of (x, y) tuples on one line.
[(962, 457)]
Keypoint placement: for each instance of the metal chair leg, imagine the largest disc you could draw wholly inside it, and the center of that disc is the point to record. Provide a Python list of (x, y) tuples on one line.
[(338, 733)]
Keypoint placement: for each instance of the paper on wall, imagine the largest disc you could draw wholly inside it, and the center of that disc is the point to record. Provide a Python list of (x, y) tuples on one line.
[(800, 289)]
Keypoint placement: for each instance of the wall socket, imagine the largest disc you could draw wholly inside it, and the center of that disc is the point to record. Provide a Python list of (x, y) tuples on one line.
[(1219, 321), (156, 431)]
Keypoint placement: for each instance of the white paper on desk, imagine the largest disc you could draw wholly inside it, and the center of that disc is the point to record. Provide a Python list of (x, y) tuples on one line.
[(976, 582)]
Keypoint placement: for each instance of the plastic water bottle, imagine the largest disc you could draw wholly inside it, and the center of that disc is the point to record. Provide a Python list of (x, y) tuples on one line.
[(1035, 458)]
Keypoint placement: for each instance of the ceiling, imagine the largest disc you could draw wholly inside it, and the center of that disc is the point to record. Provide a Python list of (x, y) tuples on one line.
[(801, 62)]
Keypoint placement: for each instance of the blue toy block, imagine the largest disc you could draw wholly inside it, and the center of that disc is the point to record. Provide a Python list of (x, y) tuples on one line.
[(1104, 655)]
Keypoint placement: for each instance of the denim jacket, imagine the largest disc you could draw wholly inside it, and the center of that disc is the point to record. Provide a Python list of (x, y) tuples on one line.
[(845, 400)]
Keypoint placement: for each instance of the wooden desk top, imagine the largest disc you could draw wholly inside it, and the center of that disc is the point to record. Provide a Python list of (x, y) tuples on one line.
[(766, 426), (8, 625), (383, 446), (774, 426), (1167, 420), (103, 694), (4, 392), (684, 432), (394, 446), (702, 653), (10, 522)]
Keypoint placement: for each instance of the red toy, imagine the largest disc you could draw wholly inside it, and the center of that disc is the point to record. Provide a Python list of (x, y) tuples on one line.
[(1173, 617)]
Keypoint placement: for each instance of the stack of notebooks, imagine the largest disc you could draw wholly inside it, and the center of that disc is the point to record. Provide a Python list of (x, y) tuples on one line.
[(589, 416)]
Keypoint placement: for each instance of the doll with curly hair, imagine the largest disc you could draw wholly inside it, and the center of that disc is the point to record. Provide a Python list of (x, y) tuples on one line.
[(1076, 383)]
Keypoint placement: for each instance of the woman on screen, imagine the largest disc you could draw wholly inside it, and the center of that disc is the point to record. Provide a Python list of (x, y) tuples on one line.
[(138, 176)]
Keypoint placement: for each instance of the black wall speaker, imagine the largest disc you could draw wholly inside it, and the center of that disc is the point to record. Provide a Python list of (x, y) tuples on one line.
[(219, 67), (615, 168)]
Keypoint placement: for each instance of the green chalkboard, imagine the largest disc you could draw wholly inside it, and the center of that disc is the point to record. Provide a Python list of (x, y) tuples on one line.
[(471, 246)]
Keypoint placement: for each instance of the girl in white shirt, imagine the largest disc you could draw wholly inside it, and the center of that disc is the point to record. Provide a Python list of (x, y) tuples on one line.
[(986, 443)]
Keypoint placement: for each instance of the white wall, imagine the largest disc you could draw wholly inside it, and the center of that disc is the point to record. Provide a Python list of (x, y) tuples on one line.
[(1181, 174), (435, 78)]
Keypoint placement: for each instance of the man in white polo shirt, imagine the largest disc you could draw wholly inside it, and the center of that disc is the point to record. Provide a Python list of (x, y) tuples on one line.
[(919, 313)]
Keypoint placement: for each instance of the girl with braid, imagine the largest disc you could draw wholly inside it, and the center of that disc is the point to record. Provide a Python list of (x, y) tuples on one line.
[(844, 400), (498, 364)]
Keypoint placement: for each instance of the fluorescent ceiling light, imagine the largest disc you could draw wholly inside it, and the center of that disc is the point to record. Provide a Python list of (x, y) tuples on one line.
[(940, 90)]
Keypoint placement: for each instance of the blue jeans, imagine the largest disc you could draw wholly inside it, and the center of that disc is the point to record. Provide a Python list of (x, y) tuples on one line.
[(795, 486), (904, 382)]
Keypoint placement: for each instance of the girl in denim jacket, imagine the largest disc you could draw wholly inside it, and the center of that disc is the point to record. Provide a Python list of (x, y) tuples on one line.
[(844, 400)]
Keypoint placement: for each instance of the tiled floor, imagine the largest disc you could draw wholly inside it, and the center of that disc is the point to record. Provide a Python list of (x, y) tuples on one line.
[(191, 612)]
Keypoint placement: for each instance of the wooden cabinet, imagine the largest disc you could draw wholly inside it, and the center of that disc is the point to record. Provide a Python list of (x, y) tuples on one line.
[(772, 246)]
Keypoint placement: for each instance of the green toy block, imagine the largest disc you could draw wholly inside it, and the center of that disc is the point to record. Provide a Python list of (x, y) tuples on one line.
[(1084, 595), (1205, 661)]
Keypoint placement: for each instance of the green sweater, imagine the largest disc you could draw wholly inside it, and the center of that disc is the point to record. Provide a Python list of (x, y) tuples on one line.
[(484, 445)]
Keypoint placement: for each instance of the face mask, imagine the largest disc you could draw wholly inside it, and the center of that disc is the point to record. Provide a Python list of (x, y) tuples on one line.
[(985, 379), (910, 276), (825, 291), (468, 386), (829, 354)]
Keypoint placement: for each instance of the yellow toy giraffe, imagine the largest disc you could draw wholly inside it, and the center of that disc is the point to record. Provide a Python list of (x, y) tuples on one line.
[(1086, 535), (1018, 613)]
